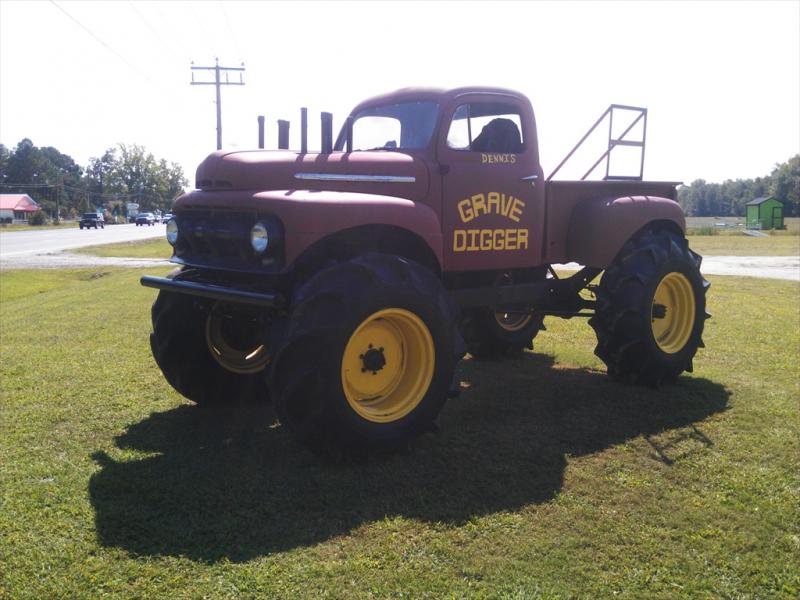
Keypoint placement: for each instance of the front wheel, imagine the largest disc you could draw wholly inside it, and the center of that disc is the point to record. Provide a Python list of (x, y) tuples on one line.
[(368, 358), (212, 353), (651, 309)]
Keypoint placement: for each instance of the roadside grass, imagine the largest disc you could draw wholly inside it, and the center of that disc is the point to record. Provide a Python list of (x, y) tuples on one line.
[(153, 248), (25, 227), (733, 225), (730, 243), (548, 480), (739, 244)]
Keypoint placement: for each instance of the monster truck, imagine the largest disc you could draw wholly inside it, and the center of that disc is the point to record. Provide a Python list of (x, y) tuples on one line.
[(347, 284)]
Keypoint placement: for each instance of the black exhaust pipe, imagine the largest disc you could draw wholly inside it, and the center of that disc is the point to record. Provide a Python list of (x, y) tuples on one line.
[(283, 134), (303, 130), (349, 130), (327, 133), (261, 132)]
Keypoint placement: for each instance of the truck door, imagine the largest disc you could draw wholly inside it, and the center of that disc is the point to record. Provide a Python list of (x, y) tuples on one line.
[(492, 184)]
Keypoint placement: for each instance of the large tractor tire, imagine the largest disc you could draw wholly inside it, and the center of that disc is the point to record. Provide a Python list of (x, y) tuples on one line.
[(492, 333), (211, 353), (651, 309), (368, 356)]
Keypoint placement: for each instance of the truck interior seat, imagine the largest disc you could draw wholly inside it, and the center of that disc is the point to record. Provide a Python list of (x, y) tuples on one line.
[(498, 135)]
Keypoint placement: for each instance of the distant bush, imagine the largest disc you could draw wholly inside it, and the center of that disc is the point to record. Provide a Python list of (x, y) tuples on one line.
[(702, 231), (38, 218)]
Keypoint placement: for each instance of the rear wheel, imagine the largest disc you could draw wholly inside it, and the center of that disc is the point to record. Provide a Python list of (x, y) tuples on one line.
[(651, 309), (368, 358), (492, 332), (211, 353)]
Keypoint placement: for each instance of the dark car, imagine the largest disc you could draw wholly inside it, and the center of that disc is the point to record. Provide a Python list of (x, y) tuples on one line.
[(145, 219), (92, 220)]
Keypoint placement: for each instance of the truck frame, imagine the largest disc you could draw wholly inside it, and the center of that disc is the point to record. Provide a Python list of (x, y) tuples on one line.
[(347, 284)]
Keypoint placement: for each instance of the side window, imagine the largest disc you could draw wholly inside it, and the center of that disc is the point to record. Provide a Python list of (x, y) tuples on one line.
[(486, 127)]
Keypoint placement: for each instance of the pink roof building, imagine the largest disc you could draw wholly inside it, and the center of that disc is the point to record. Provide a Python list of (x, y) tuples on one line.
[(17, 207)]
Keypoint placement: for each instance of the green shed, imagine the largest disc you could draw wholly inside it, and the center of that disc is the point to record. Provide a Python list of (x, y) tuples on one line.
[(765, 213)]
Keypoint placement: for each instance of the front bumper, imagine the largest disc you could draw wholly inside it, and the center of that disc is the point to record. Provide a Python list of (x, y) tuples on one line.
[(215, 292)]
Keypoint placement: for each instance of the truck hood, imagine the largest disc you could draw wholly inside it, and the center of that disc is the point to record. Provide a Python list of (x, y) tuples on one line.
[(377, 172)]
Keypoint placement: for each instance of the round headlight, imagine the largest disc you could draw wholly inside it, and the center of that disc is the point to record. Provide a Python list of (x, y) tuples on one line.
[(259, 238), (172, 231)]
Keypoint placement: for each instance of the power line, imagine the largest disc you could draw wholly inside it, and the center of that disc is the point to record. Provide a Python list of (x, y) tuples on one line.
[(153, 30), (230, 29), (103, 43), (176, 40)]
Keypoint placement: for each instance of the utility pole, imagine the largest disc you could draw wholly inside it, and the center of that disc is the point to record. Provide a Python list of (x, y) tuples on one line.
[(217, 83), (57, 220)]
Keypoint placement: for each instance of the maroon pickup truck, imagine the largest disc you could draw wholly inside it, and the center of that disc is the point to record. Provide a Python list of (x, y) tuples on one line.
[(346, 284)]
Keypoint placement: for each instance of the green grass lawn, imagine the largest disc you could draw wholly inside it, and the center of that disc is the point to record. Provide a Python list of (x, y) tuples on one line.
[(152, 248), (26, 227), (547, 480), (728, 244), (739, 244)]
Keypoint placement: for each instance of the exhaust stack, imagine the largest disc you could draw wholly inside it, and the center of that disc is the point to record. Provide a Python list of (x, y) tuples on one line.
[(283, 134), (349, 129), (327, 133), (303, 130), (260, 132)]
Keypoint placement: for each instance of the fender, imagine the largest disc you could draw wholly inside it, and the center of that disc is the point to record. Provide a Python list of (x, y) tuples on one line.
[(600, 227), (308, 216)]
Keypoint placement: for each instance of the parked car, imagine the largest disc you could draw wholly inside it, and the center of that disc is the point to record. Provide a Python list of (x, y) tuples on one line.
[(145, 219), (167, 217), (92, 219)]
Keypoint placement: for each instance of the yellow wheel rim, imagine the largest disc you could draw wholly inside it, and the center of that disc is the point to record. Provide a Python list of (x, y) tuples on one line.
[(673, 313), (387, 365), (512, 321), (233, 353)]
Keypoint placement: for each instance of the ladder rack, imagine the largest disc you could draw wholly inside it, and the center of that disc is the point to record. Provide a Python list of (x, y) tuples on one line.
[(640, 115)]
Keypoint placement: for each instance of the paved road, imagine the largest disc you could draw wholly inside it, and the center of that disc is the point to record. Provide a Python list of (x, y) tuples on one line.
[(14, 244)]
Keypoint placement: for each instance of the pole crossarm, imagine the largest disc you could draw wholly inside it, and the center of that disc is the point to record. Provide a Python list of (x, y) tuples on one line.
[(218, 83)]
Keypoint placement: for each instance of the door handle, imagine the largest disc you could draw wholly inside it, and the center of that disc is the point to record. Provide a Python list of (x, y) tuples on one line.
[(533, 177)]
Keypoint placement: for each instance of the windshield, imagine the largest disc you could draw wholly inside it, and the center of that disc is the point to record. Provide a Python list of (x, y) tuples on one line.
[(89, 215), (404, 126)]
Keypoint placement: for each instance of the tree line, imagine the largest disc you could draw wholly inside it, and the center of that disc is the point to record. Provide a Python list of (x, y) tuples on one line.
[(703, 199), (122, 174)]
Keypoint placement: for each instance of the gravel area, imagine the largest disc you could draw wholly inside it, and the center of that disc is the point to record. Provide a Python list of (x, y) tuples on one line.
[(770, 267), (65, 260)]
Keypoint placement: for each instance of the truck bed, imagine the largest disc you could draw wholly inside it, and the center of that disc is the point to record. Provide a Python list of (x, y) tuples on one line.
[(561, 197)]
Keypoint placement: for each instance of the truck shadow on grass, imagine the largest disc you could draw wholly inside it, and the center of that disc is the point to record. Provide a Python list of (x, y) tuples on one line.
[(235, 486)]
